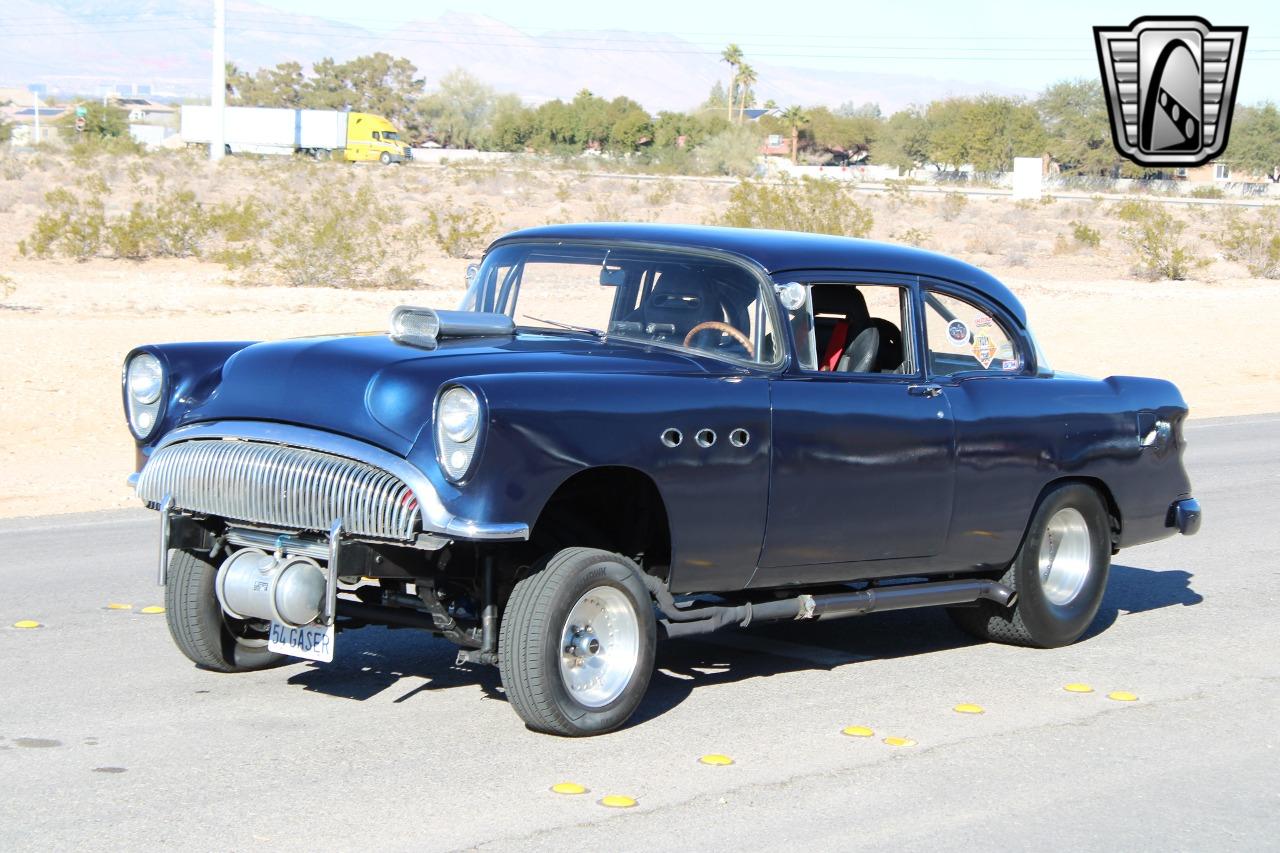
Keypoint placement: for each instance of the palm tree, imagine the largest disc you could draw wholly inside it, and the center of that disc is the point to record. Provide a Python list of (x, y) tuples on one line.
[(732, 55), (795, 116), (746, 77)]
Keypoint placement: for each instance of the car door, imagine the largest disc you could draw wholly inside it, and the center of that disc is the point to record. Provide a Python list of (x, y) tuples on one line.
[(863, 462)]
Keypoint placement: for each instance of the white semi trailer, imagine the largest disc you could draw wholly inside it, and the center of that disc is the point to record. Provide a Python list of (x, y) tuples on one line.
[(319, 133)]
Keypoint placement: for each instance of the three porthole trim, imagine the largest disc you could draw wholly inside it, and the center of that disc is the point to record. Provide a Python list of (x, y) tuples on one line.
[(705, 437)]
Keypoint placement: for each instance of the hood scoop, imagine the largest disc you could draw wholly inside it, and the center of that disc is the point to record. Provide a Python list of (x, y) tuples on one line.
[(425, 327)]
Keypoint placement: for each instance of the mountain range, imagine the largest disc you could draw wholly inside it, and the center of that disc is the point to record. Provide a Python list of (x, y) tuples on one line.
[(88, 46)]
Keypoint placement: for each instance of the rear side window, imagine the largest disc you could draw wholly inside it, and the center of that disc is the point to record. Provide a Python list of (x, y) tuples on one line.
[(963, 337)]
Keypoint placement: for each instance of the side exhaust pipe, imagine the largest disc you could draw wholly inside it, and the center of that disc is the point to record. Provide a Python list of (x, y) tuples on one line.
[(703, 620)]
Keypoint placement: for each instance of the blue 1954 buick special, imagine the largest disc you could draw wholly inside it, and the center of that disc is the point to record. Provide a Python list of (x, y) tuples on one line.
[(621, 417)]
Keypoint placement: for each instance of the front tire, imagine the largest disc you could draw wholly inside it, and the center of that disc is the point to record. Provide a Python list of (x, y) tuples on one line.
[(199, 628), (577, 644), (385, 159), (1059, 574)]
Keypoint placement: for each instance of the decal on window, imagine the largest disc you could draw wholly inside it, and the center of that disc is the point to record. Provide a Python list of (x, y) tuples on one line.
[(958, 334), (984, 350)]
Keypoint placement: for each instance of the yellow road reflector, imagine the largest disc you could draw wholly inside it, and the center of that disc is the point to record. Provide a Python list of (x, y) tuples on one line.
[(966, 708), (117, 606), (715, 759), (617, 801), (568, 788), (154, 608), (899, 741), (1123, 696), (857, 731), (1077, 687), (26, 623)]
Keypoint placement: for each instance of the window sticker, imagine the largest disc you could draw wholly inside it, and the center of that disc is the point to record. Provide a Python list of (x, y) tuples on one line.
[(1011, 364), (984, 350), (982, 321), (958, 334), (1005, 350)]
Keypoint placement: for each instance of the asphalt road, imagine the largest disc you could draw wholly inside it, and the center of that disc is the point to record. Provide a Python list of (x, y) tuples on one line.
[(110, 739)]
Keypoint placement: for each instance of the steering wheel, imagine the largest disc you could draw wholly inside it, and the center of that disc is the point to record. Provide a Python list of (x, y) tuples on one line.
[(720, 327)]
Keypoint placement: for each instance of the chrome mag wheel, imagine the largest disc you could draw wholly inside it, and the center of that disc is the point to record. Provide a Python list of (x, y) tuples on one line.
[(1065, 557), (600, 647)]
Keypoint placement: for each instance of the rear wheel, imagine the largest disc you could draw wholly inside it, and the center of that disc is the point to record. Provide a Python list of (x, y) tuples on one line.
[(577, 643), (1059, 574), (201, 630)]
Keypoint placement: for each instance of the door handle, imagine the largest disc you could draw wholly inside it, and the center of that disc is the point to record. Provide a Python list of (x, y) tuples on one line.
[(924, 390)]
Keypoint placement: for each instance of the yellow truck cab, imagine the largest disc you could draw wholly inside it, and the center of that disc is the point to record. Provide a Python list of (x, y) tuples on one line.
[(371, 137)]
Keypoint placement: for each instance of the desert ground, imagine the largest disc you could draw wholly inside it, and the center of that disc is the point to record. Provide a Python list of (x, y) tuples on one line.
[(65, 325)]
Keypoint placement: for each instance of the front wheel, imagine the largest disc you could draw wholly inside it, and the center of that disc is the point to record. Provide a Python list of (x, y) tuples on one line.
[(1059, 574), (200, 630), (577, 643), (385, 159)]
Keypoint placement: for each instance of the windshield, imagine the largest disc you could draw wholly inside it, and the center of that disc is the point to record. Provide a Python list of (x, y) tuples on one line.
[(655, 296), (387, 134)]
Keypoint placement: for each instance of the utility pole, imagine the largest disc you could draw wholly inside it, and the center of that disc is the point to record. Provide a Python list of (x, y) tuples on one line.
[(218, 95), (35, 99)]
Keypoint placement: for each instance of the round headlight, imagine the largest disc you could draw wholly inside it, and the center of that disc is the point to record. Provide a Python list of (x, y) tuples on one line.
[(145, 378), (459, 414)]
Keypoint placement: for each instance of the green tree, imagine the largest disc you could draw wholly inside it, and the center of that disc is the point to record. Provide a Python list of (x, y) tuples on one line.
[(732, 54), (904, 140), (1077, 128), (281, 86), (513, 124), (746, 79), (100, 121), (460, 113), (1254, 145), (795, 117), (986, 132), (378, 83)]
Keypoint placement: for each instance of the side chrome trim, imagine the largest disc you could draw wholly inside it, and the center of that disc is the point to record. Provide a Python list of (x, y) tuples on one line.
[(435, 518), (166, 517)]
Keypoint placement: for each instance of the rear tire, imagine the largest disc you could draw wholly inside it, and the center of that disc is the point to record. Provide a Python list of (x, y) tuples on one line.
[(198, 626), (577, 643), (1059, 575)]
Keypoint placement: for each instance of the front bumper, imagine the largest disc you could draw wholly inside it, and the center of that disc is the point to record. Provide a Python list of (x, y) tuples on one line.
[(1185, 515)]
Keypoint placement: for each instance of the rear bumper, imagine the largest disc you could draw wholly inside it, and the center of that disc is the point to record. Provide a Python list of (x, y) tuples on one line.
[(1185, 515)]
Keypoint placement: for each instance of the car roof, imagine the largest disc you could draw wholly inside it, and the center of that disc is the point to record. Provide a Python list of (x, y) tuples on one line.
[(780, 251)]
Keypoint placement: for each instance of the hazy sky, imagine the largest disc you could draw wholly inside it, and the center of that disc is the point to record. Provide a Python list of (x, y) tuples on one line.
[(978, 41)]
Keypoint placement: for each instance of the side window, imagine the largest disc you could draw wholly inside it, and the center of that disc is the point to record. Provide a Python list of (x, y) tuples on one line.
[(855, 328), (963, 337)]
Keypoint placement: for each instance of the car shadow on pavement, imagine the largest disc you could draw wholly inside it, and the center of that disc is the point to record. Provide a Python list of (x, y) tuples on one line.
[(372, 660), (1132, 590)]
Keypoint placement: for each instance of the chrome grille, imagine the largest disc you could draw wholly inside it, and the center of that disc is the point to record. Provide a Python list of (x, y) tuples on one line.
[(281, 486)]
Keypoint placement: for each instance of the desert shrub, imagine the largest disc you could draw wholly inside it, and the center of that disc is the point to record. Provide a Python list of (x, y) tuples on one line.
[(73, 225), (461, 231), (1130, 210), (899, 193), (663, 193), (12, 169), (1085, 235), (239, 221), (913, 236), (1154, 235), (810, 204), (1207, 192), (1253, 242), (6, 286), (732, 151), (315, 244), (953, 204)]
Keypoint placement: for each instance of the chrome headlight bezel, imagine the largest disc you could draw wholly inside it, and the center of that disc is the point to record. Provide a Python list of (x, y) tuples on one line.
[(144, 411), (457, 438)]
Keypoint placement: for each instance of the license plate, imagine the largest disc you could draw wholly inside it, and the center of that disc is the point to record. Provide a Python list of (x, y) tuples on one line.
[(313, 642)]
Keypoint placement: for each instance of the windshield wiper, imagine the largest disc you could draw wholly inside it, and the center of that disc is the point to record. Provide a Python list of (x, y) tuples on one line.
[(595, 333)]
